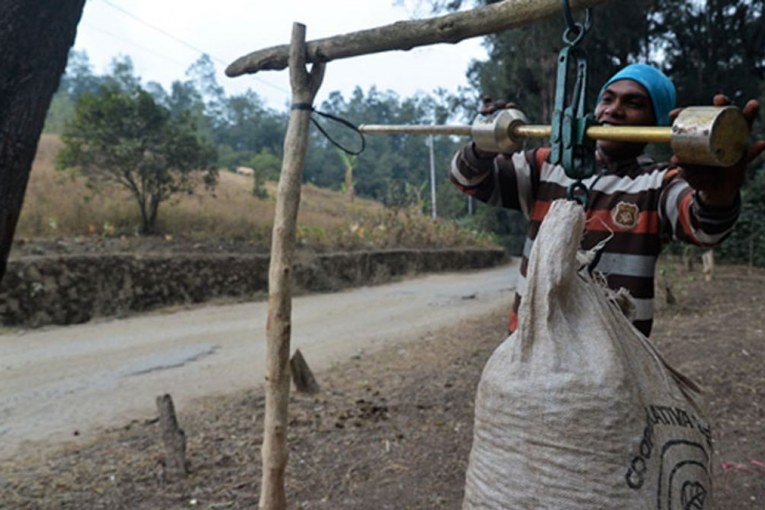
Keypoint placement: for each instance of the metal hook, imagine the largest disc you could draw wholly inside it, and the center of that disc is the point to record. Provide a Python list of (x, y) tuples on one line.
[(575, 32), (579, 192)]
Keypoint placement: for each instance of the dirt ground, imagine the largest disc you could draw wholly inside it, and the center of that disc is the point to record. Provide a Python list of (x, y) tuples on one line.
[(393, 429)]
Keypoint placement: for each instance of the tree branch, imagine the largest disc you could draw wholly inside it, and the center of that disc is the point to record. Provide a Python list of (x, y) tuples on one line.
[(405, 35)]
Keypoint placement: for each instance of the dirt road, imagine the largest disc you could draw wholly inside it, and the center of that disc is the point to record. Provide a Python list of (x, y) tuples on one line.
[(65, 381)]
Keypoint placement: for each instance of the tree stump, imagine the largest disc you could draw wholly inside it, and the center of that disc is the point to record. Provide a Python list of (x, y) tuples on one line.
[(669, 296), (708, 260), (688, 255), (173, 437), (302, 376)]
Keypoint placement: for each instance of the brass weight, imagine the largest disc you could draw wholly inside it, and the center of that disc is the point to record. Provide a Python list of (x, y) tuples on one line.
[(700, 135)]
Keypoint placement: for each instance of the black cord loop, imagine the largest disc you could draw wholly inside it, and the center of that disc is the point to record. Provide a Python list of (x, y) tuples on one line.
[(348, 124)]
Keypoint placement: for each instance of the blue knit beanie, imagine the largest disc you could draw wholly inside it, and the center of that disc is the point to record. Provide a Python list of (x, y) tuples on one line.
[(659, 87)]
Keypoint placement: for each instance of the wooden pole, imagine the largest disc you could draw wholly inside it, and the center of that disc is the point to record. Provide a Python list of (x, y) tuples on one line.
[(278, 327), (405, 35)]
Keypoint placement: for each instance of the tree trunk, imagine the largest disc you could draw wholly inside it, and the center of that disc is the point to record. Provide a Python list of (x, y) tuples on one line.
[(708, 261), (349, 181), (35, 37), (279, 324), (405, 35)]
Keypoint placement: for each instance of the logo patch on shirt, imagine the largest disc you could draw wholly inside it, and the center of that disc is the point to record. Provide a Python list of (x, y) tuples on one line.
[(625, 215)]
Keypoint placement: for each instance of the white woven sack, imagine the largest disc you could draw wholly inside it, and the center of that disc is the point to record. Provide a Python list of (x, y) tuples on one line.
[(576, 409)]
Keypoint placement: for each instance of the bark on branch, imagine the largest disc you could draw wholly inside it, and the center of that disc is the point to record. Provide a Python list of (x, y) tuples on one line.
[(405, 35)]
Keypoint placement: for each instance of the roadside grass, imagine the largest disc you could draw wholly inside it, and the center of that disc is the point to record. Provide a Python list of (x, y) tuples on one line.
[(59, 205)]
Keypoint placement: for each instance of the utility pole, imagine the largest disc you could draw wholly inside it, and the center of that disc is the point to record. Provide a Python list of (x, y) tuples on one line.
[(432, 177)]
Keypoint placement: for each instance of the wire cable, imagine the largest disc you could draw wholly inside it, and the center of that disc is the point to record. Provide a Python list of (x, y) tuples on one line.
[(184, 43), (128, 41)]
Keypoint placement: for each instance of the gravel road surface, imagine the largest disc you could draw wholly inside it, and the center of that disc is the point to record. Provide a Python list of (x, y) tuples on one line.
[(62, 382)]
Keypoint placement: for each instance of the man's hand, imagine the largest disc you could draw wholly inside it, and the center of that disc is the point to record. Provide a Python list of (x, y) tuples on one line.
[(488, 108), (719, 187)]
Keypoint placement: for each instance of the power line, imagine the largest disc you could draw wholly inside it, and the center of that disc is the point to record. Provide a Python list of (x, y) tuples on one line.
[(184, 43), (128, 41), (161, 31)]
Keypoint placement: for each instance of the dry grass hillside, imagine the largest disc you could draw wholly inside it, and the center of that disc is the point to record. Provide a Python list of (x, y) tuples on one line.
[(59, 205)]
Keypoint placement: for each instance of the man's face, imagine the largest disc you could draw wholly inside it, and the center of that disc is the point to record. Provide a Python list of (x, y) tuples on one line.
[(624, 103)]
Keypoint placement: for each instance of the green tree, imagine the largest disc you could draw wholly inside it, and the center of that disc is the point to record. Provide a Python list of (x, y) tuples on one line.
[(77, 80), (389, 162), (60, 111), (125, 137), (523, 62), (79, 77), (202, 77), (710, 47), (349, 161), (248, 127), (266, 167)]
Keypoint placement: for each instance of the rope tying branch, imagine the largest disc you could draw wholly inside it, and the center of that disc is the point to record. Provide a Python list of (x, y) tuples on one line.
[(339, 120)]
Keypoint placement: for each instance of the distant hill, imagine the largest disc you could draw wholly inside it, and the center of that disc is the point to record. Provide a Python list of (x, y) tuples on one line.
[(59, 205)]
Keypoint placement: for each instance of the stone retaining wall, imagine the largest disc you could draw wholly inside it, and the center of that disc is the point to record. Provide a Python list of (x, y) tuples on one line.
[(70, 289)]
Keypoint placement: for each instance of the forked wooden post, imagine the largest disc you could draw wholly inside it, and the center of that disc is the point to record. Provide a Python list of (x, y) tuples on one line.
[(304, 87)]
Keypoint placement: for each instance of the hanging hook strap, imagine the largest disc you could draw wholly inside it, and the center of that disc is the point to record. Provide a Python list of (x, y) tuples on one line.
[(575, 32), (344, 122), (571, 148)]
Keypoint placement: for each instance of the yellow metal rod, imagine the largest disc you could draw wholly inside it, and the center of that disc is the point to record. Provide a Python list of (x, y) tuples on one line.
[(642, 134), (638, 134)]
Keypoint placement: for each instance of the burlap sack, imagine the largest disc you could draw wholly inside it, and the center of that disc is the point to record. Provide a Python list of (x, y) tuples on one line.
[(577, 410)]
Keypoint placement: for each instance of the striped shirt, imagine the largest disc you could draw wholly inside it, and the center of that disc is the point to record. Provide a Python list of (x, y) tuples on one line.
[(635, 208)]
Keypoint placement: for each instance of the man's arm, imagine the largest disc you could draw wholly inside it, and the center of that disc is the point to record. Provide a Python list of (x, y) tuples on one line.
[(501, 180), (687, 218)]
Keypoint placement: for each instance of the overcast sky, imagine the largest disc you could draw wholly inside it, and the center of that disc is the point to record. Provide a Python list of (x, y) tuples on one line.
[(164, 37)]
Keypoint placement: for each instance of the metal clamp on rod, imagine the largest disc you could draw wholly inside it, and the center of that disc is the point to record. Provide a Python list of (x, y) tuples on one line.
[(499, 133)]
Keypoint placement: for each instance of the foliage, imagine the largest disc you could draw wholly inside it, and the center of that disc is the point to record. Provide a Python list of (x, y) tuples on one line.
[(522, 62), (389, 163), (266, 167), (121, 135), (267, 163), (509, 227), (393, 229), (77, 80), (747, 243), (710, 47)]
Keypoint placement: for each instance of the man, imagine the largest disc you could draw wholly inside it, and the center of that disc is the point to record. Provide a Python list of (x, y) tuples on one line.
[(635, 205)]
